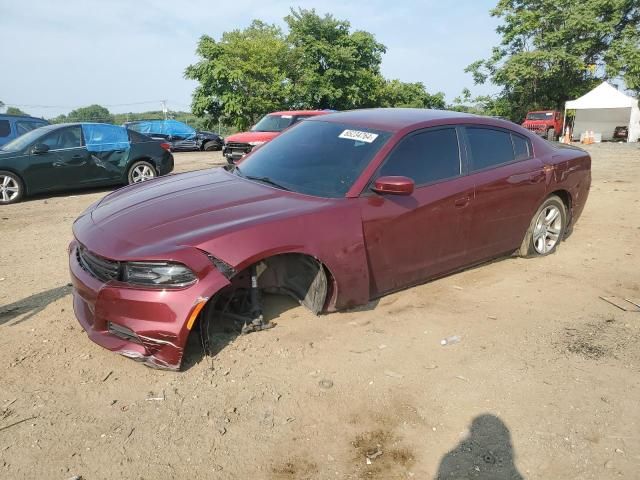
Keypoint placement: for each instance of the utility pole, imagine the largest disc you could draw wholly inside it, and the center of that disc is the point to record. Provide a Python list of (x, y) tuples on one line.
[(164, 108)]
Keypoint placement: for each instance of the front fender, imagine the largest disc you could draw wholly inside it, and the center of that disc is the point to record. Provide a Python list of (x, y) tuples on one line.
[(332, 236)]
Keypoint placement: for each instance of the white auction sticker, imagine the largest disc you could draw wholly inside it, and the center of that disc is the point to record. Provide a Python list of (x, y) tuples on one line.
[(359, 136)]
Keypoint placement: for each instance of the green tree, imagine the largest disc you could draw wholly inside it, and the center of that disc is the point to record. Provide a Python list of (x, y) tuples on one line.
[(92, 113), (330, 66), (15, 111), (554, 50), (403, 94), (242, 76), (319, 63)]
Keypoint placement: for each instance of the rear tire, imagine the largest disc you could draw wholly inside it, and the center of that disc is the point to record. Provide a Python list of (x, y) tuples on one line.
[(11, 188), (546, 230), (141, 171)]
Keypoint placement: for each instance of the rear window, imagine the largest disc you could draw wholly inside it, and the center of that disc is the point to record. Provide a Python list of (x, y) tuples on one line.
[(521, 147), (26, 126), (138, 137), (5, 128), (489, 147)]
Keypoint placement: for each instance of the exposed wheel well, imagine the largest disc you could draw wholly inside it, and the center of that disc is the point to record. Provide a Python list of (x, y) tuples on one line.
[(565, 197)]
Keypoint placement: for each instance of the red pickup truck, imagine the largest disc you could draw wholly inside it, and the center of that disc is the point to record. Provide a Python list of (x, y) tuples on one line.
[(546, 123), (270, 126)]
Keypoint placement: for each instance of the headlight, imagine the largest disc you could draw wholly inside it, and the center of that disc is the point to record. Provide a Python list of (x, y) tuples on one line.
[(255, 144), (158, 274)]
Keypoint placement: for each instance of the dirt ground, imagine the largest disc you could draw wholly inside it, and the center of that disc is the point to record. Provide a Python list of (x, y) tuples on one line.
[(544, 384)]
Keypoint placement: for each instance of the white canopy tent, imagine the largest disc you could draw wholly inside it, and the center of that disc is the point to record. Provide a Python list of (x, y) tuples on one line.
[(602, 110)]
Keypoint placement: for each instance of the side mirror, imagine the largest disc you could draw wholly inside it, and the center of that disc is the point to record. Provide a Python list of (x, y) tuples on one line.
[(40, 148), (394, 185)]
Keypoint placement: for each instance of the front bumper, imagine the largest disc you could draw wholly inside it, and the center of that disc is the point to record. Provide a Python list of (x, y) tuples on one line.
[(157, 319), (235, 151)]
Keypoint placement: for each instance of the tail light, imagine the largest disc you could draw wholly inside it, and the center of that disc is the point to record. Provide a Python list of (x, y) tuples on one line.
[(166, 146)]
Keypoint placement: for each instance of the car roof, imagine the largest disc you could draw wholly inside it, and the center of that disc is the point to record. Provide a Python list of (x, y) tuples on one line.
[(394, 119), (26, 117), (302, 112)]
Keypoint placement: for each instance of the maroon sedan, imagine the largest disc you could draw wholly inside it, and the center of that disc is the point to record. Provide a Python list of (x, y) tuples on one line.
[(338, 210)]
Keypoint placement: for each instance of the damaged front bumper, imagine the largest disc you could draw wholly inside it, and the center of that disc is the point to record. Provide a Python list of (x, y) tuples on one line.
[(146, 325)]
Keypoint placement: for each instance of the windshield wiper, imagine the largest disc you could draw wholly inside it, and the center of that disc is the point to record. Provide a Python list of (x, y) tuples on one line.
[(266, 180)]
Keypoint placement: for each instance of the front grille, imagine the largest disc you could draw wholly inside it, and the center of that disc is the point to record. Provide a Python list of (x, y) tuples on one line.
[(101, 268), (535, 128), (237, 148)]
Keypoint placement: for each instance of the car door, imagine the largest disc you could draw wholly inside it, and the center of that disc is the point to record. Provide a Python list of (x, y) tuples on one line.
[(64, 165), (411, 238), (109, 147), (509, 184)]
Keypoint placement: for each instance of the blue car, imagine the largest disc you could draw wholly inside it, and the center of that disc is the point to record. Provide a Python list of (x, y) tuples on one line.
[(12, 126), (180, 135)]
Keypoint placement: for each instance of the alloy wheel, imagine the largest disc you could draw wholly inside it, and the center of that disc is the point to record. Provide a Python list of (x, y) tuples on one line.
[(546, 233), (9, 189), (141, 173)]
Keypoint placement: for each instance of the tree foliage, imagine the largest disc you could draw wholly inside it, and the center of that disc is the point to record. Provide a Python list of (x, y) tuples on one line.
[(554, 50), (15, 111), (330, 66), (92, 113), (319, 63), (414, 95)]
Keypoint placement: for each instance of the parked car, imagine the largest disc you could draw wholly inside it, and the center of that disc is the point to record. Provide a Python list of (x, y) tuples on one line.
[(545, 123), (178, 134), (620, 134), (12, 126), (336, 211), (269, 127), (78, 155)]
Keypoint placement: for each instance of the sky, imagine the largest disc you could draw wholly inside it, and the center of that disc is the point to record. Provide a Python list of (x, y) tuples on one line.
[(128, 55)]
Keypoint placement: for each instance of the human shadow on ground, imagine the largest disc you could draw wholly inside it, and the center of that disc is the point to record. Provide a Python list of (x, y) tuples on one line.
[(31, 305), (485, 454)]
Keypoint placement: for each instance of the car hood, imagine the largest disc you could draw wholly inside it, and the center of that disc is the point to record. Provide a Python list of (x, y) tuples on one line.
[(185, 210), (246, 137)]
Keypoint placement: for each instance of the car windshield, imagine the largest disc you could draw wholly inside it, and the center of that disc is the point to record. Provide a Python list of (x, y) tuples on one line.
[(25, 140), (539, 116), (273, 123), (315, 158)]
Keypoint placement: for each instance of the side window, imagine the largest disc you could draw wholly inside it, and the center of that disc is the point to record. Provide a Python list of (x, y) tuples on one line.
[(24, 127), (70, 137), (489, 147), (301, 117), (5, 128), (102, 138), (425, 157), (521, 147)]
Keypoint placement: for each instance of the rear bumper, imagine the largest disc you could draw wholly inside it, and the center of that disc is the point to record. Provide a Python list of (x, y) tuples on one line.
[(166, 165), (156, 319)]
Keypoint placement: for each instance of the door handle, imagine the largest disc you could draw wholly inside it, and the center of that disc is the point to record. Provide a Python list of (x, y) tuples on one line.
[(462, 201)]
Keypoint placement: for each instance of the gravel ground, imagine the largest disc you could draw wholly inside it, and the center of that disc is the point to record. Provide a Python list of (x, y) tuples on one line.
[(544, 383)]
